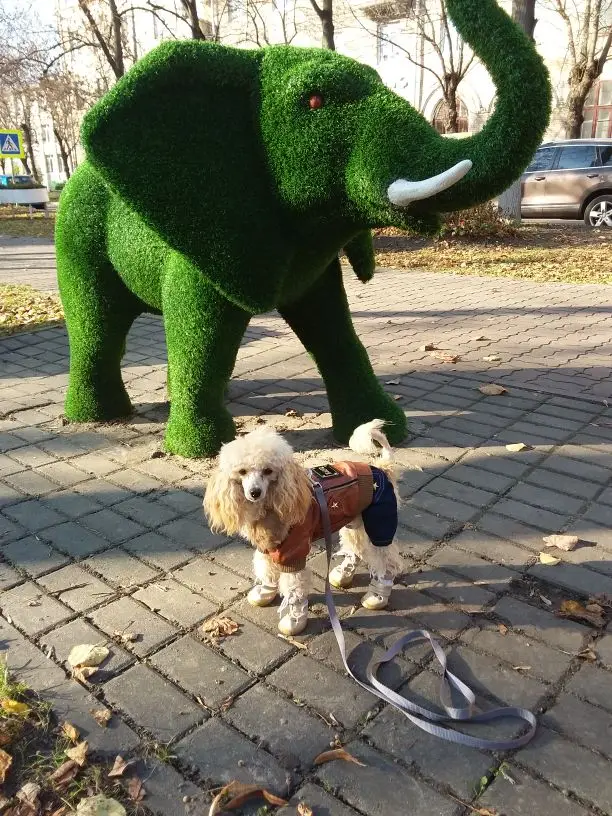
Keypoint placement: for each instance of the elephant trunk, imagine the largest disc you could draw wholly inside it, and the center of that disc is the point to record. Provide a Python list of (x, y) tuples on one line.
[(505, 146)]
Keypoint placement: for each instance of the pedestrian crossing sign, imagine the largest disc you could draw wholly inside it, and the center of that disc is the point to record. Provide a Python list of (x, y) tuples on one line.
[(11, 144)]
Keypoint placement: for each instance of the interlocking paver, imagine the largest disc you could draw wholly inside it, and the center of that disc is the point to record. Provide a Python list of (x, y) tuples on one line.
[(525, 796), (265, 716), (175, 602), (125, 615), (319, 801), (563, 763), (33, 556), (63, 639), (308, 680), (542, 625), (382, 787), (454, 765), (163, 710), (217, 583), (219, 755), (119, 568), (32, 610), (74, 540), (475, 520)]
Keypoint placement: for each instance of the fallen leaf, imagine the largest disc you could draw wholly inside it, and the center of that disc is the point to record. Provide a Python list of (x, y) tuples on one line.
[(119, 767), (484, 812), (602, 599), (595, 607), (492, 358), (78, 754), (392, 382), (304, 810), (563, 542), (102, 716), (83, 673), (293, 413), (480, 338), (14, 707), (28, 794), (502, 629), (70, 731), (4, 802), (218, 628), (545, 600), (445, 356), (588, 654), (87, 655), (574, 609), (492, 389), (158, 455), (297, 643), (429, 347), (397, 397), (6, 760), (227, 703), (515, 447), (522, 668), (63, 775), (337, 753), (125, 637), (242, 793), (136, 789), (549, 560), (100, 805)]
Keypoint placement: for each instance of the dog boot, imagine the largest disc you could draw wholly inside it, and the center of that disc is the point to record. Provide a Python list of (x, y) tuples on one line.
[(293, 614), (342, 575), (377, 594), (262, 594)]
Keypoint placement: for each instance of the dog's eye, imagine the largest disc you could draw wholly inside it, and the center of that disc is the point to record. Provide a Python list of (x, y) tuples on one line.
[(267, 471), (242, 472)]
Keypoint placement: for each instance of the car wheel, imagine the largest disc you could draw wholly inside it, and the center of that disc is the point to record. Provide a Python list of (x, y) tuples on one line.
[(599, 212)]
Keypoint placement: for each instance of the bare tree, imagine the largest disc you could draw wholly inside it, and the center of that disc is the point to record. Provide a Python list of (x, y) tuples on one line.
[(441, 53), (589, 35), (325, 13), (509, 202), (112, 40), (65, 97), (269, 23)]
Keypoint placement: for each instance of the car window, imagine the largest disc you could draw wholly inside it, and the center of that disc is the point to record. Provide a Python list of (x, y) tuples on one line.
[(542, 160), (606, 156), (575, 157)]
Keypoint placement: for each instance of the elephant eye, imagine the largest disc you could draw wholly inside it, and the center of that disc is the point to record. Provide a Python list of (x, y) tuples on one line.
[(315, 102), (242, 472)]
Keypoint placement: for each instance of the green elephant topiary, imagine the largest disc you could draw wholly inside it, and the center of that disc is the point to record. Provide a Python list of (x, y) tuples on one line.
[(285, 156)]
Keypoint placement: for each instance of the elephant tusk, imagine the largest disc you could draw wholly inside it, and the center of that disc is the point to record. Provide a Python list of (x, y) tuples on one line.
[(402, 192)]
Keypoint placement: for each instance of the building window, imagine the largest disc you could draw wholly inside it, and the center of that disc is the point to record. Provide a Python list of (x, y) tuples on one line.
[(388, 35), (597, 120), (49, 164), (46, 133), (440, 116)]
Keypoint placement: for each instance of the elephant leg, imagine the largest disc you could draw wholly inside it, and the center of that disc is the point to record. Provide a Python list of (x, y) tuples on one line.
[(99, 312), (203, 334), (322, 321)]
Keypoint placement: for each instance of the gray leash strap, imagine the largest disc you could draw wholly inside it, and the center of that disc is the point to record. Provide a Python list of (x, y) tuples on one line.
[(430, 721)]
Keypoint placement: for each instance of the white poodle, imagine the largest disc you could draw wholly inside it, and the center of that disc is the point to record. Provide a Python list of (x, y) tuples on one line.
[(259, 491)]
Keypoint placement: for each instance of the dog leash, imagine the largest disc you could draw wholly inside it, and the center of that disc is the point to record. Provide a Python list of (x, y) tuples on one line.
[(430, 721)]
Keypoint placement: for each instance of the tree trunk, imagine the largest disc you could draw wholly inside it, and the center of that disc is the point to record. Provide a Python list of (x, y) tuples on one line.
[(509, 202), (63, 152), (451, 118), (116, 24), (325, 13), (31, 158), (191, 8)]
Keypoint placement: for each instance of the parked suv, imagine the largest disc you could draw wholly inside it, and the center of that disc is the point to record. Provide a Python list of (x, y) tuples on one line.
[(570, 179)]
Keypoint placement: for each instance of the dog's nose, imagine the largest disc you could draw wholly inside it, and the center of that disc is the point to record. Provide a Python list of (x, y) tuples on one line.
[(255, 492)]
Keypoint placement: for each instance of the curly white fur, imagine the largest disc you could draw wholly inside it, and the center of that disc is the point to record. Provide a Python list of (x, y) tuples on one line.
[(262, 463)]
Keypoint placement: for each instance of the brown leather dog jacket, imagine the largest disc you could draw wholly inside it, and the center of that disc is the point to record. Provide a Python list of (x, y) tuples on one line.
[(347, 496)]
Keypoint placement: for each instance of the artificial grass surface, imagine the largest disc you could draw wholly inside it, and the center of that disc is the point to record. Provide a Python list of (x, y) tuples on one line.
[(283, 158)]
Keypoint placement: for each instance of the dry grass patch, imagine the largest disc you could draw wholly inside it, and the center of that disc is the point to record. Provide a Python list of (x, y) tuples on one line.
[(23, 307)]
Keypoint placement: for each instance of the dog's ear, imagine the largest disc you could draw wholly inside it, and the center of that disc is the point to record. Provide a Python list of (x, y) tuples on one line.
[(291, 496), (223, 503)]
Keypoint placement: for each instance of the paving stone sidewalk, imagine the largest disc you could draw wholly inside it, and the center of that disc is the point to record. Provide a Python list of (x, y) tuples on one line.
[(105, 534)]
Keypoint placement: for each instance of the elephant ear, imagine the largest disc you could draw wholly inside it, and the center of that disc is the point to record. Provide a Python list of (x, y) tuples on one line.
[(177, 139)]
